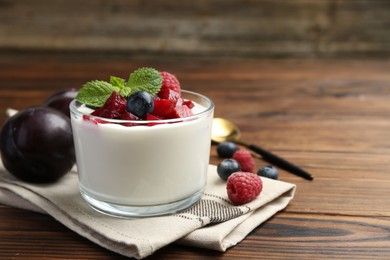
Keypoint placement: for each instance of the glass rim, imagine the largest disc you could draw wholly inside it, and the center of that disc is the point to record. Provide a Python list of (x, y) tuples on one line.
[(74, 105)]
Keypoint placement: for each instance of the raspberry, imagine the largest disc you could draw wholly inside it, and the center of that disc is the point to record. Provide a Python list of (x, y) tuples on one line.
[(94, 120), (166, 93), (153, 117), (164, 108), (245, 159), (169, 82), (128, 116), (182, 111), (188, 103), (114, 106), (243, 187)]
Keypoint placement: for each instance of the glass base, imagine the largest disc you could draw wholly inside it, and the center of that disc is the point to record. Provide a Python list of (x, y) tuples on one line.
[(124, 211)]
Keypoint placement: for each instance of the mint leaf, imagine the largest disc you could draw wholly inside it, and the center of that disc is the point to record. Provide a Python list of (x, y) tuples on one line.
[(95, 93), (145, 79), (118, 82), (124, 91)]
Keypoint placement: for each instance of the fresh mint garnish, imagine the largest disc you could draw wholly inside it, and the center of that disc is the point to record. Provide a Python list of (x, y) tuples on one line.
[(96, 92), (124, 91), (145, 79), (118, 82)]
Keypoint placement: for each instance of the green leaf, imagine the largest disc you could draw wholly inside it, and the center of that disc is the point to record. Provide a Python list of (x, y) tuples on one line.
[(124, 90), (118, 82), (145, 79), (95, 93)]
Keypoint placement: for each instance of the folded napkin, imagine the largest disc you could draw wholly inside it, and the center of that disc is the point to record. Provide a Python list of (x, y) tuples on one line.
[(143, 236)]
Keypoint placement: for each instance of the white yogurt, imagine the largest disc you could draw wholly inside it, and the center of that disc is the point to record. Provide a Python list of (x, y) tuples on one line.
[(143, 165)]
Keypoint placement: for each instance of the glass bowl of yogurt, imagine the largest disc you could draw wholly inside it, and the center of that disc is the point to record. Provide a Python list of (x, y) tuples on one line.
[(150, 168)]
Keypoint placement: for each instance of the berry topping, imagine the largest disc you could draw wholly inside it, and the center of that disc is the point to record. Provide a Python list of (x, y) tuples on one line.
[(226, 149), (95, 93), (114, 106), (243, 187), (140, 103), (128, 116), (166, 93), (152, 117), (94, 120), (227, 167), (269, 172), (164, 108), (169, 81), (182, 111), (147, 95), (188, 103), (245, 159)]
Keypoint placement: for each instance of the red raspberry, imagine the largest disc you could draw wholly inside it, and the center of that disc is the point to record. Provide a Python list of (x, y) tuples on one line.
[(245, 159), (166, 93), (164, 108), (114, 106), (182, 111), (243, 187), (169, 82)]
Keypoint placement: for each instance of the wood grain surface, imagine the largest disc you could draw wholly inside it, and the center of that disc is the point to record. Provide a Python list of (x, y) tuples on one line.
[(219, 28), (330, 117)]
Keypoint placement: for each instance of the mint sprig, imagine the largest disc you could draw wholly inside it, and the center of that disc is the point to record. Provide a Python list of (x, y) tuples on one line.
[(96, 92), (121, 84), (145, 79)]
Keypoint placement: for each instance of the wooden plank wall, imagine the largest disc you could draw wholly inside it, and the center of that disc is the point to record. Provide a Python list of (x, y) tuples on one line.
[(216, 28)]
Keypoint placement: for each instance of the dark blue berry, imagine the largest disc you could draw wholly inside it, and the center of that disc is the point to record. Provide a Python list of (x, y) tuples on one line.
[(226, 149), (269, 172), (140, 103), (227, 167)]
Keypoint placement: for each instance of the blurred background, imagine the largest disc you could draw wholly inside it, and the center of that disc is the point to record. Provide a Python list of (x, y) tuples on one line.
[(225, 29)]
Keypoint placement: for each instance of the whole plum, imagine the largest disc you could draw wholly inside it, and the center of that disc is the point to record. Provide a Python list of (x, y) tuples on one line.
[(60, 100), (37, 145)]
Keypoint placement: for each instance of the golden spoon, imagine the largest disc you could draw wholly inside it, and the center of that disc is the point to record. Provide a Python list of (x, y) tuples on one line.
[(224, 130)]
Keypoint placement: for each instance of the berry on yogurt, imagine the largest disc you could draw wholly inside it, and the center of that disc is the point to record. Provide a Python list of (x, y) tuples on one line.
[(140, 103), (147, 95), (114, 107)]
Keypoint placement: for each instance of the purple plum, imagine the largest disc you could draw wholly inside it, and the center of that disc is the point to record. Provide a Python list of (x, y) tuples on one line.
[(37, 145)]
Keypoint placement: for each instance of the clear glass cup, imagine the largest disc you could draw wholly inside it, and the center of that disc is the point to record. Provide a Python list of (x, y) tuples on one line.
[(150, 168)]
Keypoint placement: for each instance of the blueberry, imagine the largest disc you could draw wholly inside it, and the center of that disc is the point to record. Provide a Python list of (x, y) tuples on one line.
[(227, 167), (269, 172), (226, 149), (140, 103)]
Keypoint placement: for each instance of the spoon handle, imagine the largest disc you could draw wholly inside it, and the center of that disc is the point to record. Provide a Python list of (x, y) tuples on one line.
[(280, 162)]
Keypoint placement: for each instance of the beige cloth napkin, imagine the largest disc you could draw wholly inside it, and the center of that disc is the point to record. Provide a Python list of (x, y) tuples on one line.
[(142, 237)]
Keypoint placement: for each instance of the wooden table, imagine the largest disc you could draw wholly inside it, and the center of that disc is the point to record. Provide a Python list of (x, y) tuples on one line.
[(330, 117)]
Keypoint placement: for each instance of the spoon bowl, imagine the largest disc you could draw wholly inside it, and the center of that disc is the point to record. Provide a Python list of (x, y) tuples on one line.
[(223, 130)]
